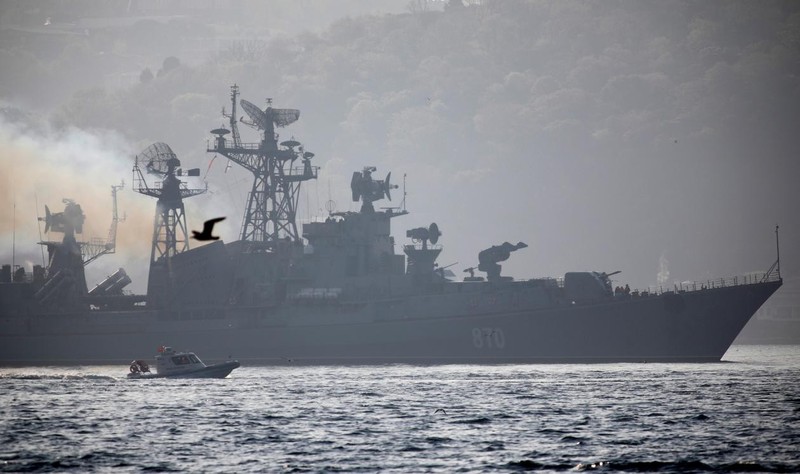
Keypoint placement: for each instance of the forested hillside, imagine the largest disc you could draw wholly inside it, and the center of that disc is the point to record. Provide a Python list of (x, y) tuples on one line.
[(648, 136)]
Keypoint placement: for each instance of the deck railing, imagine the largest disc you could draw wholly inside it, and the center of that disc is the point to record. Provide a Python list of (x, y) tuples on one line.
[(684, 286), (688, 286)]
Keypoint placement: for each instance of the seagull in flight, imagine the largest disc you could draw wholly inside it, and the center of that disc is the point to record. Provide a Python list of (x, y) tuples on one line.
[(208, 226)]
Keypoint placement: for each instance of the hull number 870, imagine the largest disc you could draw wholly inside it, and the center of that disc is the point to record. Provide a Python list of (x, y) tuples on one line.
[(488, 338)]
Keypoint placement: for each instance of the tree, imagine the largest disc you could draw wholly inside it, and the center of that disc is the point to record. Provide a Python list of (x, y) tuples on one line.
[(146, 76), (170, 64)]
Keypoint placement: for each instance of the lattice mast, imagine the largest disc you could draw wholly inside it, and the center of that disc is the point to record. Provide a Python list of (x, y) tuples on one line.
[(170, 235), (96, 247), (272, 202)]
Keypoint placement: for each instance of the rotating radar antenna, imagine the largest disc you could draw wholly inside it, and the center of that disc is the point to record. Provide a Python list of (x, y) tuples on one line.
[(269, 118)]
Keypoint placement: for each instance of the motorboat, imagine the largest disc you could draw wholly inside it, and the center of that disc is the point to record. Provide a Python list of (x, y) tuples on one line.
[(176, 364)]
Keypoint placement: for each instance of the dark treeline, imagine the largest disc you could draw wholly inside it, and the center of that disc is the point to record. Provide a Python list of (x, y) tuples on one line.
[(578, 113)]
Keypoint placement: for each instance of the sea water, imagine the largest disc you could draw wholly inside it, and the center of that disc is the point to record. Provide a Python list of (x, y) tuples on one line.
[(740, 415)]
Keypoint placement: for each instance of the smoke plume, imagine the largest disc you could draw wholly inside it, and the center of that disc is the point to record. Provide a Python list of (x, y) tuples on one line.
[(45, 166)]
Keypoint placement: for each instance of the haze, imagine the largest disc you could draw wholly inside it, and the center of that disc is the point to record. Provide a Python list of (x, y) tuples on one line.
[(654, 137)]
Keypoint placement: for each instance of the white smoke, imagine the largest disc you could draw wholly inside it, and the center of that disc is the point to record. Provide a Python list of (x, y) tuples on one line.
[(42, 166), (663, 270)]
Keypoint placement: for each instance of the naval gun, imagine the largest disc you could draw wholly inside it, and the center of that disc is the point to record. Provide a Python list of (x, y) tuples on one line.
[(488, 259), (606, 279), (367, 189), (588, 286)]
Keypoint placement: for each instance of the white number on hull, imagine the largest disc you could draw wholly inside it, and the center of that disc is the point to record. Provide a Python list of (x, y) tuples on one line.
[(489, 338)]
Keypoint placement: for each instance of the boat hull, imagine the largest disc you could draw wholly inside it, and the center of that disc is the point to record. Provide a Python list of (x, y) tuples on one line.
[(696, 326), (216, 371)]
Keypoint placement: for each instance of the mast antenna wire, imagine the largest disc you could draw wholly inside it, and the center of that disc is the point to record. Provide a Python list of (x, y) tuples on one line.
[(14, 237), (308, 207), (776, 267), (39, 225), (209, 166), (778, 248), (404, 191)]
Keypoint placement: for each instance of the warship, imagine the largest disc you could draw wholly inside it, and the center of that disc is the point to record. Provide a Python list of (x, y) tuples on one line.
[(336, 291)]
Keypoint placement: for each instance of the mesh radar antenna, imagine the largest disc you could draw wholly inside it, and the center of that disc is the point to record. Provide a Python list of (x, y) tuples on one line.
[(170, 236), (272, 201)]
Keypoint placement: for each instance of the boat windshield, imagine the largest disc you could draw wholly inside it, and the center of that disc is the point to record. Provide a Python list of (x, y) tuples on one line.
[(185, 359)]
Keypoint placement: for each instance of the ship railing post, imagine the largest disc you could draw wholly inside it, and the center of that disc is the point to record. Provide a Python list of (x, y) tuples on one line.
[(778, 252)]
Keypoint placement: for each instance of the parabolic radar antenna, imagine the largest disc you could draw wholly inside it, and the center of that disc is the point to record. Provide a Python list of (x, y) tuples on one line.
[(159, 161), (257, 116), (264, 119)]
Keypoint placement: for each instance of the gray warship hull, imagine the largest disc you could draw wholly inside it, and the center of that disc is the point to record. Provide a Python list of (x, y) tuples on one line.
[(515, 322), (338, 292)]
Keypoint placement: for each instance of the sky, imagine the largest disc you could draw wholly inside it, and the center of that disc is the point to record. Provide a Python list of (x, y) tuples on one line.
[(655, 138)]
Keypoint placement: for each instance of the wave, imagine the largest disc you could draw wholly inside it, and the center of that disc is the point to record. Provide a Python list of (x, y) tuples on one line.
[(59, 377), (653, 466)]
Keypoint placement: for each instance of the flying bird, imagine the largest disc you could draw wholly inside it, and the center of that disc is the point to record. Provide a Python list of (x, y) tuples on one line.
[(208, 226)]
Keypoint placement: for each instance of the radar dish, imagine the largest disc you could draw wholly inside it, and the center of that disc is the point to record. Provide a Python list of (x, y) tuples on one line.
[(434, 233), (220, 131), (387, 187), (157, 158), (355, 185), (258, 116), (283, 117), (290, 143)]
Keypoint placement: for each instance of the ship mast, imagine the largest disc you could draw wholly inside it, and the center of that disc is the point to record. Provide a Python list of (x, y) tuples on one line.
[(272, 201), (170, 236)]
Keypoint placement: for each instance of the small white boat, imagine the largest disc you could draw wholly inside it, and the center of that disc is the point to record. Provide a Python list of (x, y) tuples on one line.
[(172, 364)]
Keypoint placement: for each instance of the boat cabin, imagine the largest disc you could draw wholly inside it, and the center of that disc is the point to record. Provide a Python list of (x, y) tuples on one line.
[(170, 362)]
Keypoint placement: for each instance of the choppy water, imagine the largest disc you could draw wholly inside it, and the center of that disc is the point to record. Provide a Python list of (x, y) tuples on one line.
[(742, 415)]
